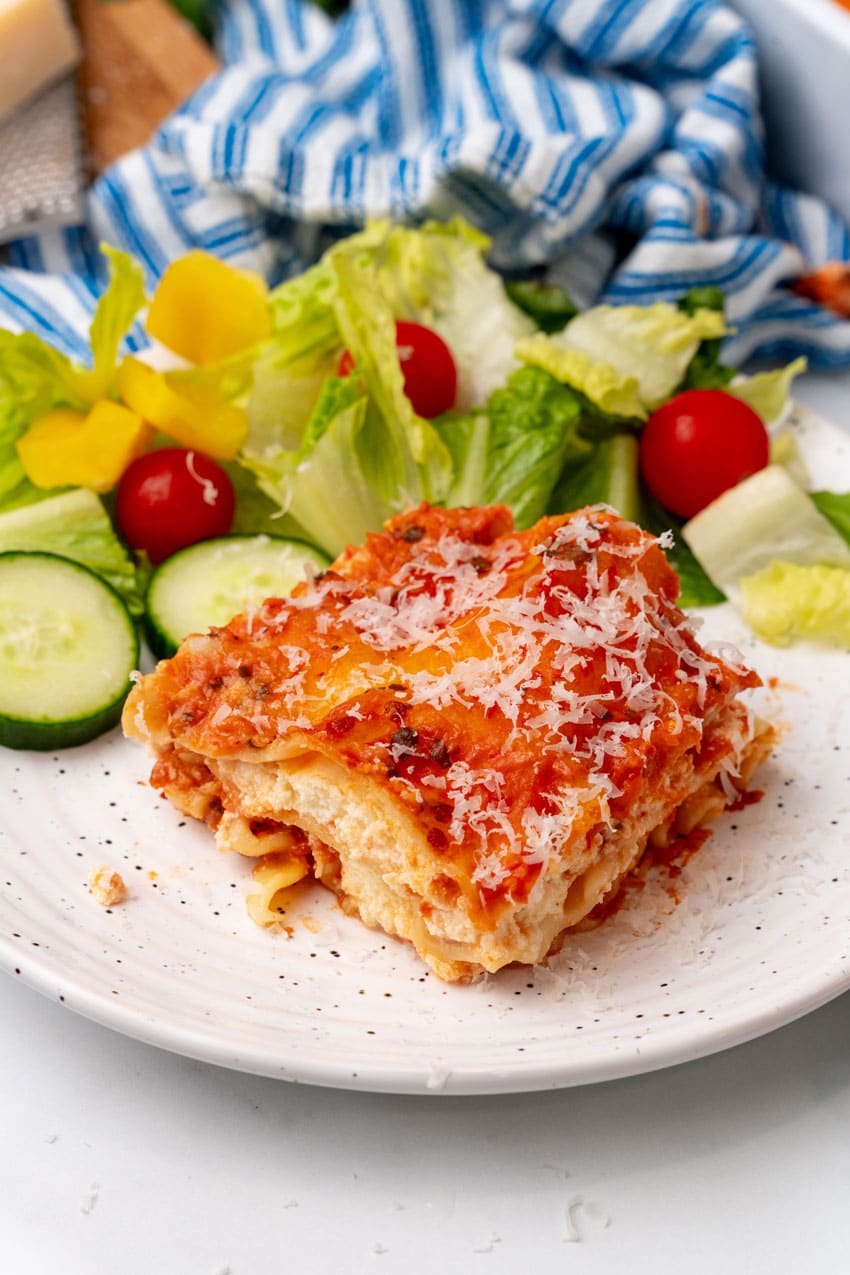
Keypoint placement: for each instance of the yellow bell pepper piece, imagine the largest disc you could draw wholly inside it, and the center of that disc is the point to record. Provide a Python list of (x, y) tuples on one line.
[(205, 310), (65, 448), (192, 415)]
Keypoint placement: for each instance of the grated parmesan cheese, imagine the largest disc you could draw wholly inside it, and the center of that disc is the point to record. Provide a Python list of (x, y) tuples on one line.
[(574, 664)]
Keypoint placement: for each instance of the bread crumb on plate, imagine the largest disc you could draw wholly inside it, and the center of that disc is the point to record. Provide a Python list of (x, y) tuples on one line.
[(107, 886)]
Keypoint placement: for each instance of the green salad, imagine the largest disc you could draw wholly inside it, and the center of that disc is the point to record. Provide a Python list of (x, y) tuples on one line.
[(401, 369)]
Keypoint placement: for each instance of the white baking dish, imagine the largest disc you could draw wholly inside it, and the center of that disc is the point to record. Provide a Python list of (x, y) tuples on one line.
[(804, 50)]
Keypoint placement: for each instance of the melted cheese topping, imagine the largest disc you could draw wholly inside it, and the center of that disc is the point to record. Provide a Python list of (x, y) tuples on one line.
[(514, 689)]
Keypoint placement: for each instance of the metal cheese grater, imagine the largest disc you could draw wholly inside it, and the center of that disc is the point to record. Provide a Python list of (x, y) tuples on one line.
[(41, 172)]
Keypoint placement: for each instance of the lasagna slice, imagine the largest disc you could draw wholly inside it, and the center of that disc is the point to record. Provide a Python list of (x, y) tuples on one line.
[(469, 733)]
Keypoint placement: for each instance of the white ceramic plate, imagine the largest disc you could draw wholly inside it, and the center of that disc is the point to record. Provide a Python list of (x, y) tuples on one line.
[(759, 936)]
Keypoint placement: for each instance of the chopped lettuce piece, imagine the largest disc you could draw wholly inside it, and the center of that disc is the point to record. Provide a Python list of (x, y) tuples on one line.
[(344, 488), (512, 451), (114, 316), (767, 517), (302, 310), (74, 525), (367, 324), (785, 601), (767, 392), (702, 297), (290, 368), (256, 513), (468, 441), (626, 359), (548, 305), (599, 381), (361, 454), (15, 488), (283, 395), (35, 377), (437, 275), (695, 587), (606, 474), (337, 394), (705, 370), (835, 506), (784, 451)]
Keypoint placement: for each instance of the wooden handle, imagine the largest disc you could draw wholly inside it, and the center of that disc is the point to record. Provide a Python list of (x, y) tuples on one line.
[(140, 61)]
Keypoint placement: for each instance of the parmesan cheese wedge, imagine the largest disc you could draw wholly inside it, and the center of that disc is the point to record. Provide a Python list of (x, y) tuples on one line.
[(38, 44)]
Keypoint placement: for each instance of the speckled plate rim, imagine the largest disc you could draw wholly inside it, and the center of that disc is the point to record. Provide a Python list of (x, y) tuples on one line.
[(421, 1079)]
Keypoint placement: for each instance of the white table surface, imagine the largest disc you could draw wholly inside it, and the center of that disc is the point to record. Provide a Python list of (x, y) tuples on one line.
[(120, 1159)]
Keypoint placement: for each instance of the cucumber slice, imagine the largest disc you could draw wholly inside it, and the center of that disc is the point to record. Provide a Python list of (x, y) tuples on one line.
[(68, 646), (208, 583)]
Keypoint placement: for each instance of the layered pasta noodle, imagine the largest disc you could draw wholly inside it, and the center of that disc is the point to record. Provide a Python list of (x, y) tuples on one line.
[(469, 733)]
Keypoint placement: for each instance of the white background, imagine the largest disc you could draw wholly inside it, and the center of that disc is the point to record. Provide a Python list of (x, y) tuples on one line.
[(119, 1159)]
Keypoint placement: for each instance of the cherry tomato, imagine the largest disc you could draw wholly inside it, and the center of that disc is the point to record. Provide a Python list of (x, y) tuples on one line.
[(171, 498), (430, 375), (699, 445)]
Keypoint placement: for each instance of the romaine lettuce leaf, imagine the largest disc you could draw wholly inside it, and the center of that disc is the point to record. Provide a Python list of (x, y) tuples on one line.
[(367, 324), (705, 370), (468, 441), (35, 377), (15, 488), (625, 359), (256, 513), (363, 454), (785, 601), (696, 589), (74, 525), (598, 381), (344, 488), (767, 392), (290, 368), (337, 394), (702, 297), (512, 451), (437, 275), (606, 474), (785, 451), (548, 305), (836, 507), (765, 518), (283, 394), (114, 316), (302, 310)]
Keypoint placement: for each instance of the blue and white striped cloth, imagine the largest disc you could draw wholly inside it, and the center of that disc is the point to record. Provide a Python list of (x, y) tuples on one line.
[(617, 141)]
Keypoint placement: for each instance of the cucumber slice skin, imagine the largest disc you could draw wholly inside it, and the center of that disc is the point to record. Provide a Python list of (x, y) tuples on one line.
[(45, 734), (52, 737), (198, 562)]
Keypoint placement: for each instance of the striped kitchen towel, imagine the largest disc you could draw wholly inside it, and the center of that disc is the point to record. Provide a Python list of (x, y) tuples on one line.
[(616, 142)]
